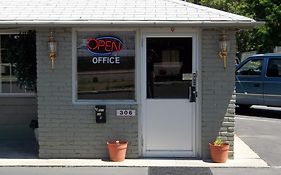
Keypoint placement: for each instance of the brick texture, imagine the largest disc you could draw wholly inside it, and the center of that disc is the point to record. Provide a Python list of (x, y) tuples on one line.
[(217, 89), (68, 130), (15, 116)]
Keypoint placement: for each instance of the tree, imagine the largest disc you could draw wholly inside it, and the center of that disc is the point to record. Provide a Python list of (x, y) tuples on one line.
[(21, 52), (268, 36), (262, 39)]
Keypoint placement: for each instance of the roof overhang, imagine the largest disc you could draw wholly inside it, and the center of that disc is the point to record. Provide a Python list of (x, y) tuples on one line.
[(227, 24)]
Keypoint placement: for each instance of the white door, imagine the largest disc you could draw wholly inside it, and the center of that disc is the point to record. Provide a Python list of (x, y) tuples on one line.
[(169, 95)]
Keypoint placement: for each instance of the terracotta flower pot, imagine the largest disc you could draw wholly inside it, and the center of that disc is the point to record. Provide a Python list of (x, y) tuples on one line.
[(117, 150), (219, 153)]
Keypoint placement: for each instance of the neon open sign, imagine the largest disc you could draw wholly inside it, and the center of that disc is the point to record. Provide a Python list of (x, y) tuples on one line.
[(104, 45)]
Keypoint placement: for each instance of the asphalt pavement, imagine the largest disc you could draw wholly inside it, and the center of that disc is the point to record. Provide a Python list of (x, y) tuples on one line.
[(259, 127)]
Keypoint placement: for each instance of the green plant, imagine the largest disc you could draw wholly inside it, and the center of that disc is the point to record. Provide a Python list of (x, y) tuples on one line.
[(218, 141)]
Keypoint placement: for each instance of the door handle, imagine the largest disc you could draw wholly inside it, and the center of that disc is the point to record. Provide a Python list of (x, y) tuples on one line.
[(193, 94), (192, 90)]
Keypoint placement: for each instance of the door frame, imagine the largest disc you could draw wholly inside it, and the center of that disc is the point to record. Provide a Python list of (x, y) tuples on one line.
[(163, 32)]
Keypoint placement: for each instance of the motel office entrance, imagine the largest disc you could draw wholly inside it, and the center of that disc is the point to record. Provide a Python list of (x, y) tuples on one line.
[(169, 95)]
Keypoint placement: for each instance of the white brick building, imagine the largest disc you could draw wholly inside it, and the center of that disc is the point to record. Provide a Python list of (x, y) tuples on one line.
[(130, 55)]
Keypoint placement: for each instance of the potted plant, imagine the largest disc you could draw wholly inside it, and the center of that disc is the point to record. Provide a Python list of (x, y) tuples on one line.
[(117, 150), (219, 150)]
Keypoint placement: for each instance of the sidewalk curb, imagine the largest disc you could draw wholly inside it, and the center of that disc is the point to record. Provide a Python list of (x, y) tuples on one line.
[(244, 157)]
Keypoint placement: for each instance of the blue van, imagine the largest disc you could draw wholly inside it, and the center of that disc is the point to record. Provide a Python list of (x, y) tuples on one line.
[(258, 81)]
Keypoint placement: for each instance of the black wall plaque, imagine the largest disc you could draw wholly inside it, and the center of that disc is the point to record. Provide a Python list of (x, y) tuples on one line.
[(100, 113)]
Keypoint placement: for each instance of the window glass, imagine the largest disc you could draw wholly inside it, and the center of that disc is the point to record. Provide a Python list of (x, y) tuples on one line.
[(274, 68), (9, 68), (252, 67), (106, 65), (169, 67)]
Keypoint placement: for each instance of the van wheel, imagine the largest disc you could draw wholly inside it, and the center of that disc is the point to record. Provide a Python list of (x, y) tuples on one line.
[(244, 106)]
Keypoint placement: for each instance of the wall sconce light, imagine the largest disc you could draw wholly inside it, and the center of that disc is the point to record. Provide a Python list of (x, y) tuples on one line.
[(223, 43), (52, 49)]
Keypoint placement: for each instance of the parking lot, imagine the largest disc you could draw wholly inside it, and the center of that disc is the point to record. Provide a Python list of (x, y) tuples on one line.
[(259, 127)]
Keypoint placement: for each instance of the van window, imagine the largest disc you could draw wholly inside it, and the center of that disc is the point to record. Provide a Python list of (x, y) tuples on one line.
[(252, 67), (274, 68)]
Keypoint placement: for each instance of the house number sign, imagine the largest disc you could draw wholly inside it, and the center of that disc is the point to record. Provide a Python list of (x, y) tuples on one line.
[(125, 112)]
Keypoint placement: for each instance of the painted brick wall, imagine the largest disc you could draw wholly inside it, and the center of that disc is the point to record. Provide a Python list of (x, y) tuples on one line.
[(227, 128), (217, 89), (15, 116), (68, 130)]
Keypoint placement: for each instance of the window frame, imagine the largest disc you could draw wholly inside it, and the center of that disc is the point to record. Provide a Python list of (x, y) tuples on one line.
[(18, 94), (75, 99)]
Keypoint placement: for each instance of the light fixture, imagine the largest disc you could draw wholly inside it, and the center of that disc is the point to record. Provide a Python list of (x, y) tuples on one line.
[(223, 43), (52, 49)]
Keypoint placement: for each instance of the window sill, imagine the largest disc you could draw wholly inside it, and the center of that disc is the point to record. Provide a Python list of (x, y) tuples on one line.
[(105, 102), (17, 95)]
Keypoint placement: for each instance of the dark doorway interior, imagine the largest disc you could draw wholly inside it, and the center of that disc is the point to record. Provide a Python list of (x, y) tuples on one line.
[(169, 67)]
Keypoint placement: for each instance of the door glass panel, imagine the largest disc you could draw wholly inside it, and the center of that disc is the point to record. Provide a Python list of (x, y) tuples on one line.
[(169, 67)]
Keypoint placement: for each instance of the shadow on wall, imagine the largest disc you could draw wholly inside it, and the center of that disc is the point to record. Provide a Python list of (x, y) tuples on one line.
[(17, 139), (19, 149)]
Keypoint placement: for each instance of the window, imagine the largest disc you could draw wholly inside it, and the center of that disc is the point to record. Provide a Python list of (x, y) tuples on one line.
[(14, 72), (106, 65), (252, 67), (274, 68), (169, 60)]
